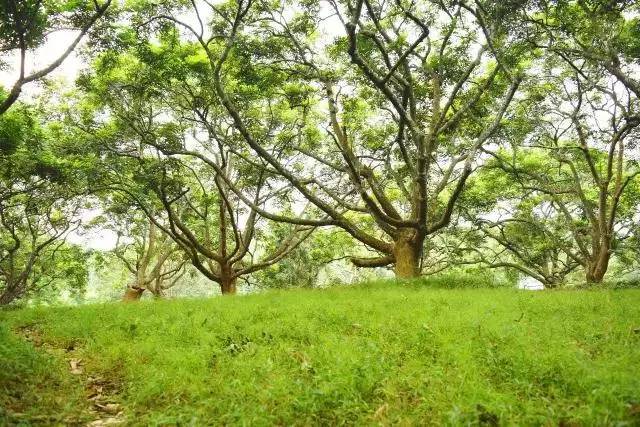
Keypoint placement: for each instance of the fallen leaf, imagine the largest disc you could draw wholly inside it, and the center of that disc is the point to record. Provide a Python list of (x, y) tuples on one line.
[(634, 409), (76, 367), (109, 421), (109, 408)]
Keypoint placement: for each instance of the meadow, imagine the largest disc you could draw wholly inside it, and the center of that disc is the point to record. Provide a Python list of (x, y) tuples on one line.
[(372, 354)]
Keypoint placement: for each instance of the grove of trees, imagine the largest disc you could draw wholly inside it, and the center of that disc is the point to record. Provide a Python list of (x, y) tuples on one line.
[(255, 141)]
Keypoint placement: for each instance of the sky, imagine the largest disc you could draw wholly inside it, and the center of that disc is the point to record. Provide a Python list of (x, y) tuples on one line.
[(53, 47)]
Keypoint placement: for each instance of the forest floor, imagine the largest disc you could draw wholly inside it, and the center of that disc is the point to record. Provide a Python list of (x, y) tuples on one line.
[(368, 354)]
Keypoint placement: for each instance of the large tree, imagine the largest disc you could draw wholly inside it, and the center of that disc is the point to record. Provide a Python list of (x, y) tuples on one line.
[(410, 94), (171, 152)]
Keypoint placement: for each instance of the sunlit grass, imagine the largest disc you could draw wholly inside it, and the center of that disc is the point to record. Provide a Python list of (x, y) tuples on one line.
[(383, 353)]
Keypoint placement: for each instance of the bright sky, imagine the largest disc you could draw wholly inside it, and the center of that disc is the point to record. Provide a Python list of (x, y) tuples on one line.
[(54, 46)]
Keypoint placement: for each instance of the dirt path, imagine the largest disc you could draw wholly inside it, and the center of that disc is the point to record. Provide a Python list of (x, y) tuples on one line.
[(101, 394)]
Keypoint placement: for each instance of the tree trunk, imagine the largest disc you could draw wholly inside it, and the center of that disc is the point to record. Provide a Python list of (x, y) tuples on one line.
[(407, 258), (228, 286), (8, 296), (13, 290), (158, 294), (598, 268), (551, 283), (133, 293)]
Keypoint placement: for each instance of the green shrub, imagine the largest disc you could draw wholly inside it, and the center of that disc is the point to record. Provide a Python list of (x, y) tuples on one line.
[(469, 278)]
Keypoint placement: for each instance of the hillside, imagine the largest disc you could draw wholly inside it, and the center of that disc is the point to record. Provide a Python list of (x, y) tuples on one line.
[(371, 354)]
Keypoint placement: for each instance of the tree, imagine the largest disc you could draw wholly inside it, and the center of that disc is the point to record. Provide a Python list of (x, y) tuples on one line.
[(568, 155), (179, 164), (25, 26), (304, 266), (154, 260), (213, 227), (43, 191), (517, 228), (399, 149), (38, 206), (588, 125), (628, 252), (33, 229), (600, 34)]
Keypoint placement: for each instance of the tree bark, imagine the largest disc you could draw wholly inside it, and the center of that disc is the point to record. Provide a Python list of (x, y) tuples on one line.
[(228, 286), (8, 296), (407, 258), (133, 293), (551, 283), (157, 293), (598, 267), (13, 290)]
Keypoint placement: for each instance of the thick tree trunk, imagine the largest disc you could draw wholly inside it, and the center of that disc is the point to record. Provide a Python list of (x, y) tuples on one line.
[(12, 291), (598, 267), (228, 286), (407, 259), (8, 296), (133, 293)]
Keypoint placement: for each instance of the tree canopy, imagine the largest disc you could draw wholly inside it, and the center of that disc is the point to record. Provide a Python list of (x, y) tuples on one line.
[(413, 136)]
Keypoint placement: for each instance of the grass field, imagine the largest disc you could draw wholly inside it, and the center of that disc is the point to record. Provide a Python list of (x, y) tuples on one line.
[(370, 354)]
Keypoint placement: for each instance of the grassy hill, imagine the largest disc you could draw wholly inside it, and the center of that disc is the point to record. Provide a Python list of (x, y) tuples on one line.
[(370, 354)]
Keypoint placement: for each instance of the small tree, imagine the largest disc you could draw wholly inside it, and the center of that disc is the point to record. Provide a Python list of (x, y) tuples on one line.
[(154, 260), (578, 156), (38, 206), (175, 157), (33, 226)]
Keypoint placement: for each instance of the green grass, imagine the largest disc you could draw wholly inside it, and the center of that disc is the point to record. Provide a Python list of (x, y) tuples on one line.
[(376, 354)]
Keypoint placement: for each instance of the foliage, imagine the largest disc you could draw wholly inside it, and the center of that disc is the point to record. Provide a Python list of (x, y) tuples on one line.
[(39, 207), (419, 138), (469, 278), (302, 267), (25, 26), (62, 276)]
